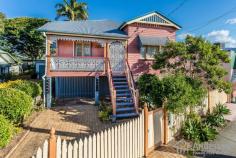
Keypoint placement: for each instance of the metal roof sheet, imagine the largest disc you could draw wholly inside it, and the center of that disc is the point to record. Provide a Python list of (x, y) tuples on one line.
[(153, 41), (85, 27)]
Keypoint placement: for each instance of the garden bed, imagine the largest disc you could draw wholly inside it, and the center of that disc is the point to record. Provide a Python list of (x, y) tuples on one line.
[(23, 131)]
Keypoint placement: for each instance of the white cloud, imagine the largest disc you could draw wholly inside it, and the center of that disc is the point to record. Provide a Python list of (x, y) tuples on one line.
[(184, 35), (222, 36), (231, 21)]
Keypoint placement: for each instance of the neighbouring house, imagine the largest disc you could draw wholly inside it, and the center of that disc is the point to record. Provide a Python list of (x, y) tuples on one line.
[(98, 58), (40, 68), (231, 68), (8, 64)]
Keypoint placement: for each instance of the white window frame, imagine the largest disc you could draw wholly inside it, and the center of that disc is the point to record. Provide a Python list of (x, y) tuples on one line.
[(83, 48), (144, 53)]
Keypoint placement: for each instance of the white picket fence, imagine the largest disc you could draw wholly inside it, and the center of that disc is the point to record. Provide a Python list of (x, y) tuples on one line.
[(122, 141)]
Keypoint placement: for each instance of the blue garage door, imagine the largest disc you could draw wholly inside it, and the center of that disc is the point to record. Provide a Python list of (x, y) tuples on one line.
[(70, 87)]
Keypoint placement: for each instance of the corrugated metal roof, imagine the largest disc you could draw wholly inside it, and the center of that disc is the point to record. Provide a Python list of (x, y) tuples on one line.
[(86, 27), (153, 41), (6, 58)]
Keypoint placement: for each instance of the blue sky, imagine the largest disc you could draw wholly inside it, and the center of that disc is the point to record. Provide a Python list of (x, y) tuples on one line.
[(193, 14)]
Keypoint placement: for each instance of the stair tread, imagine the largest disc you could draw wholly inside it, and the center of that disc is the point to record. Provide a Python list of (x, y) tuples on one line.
[(120, 82), (125, 109), (125, 104), (122, 90), (133, 114), (121, 86), (120, 99), (123, 94)]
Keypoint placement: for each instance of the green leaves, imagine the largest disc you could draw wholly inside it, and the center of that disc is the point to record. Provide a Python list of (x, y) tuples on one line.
[(196, 58), (71, 10), (216, 118), (20, 36), (175, 92), (196, 130)]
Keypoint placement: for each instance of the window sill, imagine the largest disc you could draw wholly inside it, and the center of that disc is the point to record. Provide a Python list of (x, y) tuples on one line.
[(149, 59)]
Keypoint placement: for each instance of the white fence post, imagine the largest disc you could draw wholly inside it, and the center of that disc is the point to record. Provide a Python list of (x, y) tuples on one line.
[(39, 153), (75, 150), (85, 151), (81, 147), (109, 142), (125, 140), (58, 147), (102, 145), (98, 145), (45, 149), (94, 146), (90, 147), (64, 149), (105, 144), (70, 150)]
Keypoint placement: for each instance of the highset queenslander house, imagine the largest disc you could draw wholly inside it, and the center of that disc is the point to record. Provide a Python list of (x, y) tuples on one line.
[(98, 58)]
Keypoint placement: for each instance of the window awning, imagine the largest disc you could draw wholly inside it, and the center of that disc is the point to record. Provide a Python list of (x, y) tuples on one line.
[(153, 41)]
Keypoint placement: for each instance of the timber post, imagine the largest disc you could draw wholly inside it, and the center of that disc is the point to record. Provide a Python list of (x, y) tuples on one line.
[(52, 144), (145, 130), (209, 101), (165, 117)]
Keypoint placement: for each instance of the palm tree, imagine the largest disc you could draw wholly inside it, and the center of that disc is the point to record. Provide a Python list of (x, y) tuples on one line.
[(72, 10)]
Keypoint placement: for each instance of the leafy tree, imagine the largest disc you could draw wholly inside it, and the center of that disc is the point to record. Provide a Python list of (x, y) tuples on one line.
[(196, 58), (149, 85), (174, 92), (2, 17), (21, 36), (72, 10)]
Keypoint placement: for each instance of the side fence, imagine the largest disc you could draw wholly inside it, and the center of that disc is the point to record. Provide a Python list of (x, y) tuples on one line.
[(122, 141), (133, 139)]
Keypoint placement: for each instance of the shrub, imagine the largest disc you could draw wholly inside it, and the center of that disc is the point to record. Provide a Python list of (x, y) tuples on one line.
[(6, 131), (105, 111), (216, 118), (15, 105), (221, 109), (33, 89), (196, 130)]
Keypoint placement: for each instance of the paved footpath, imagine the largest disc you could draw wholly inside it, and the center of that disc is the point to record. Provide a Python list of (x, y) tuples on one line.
[(165, 152), (224, 146)]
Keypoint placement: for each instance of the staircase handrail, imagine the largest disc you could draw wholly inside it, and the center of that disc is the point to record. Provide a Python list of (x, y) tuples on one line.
[(111, 87), (131, 83)]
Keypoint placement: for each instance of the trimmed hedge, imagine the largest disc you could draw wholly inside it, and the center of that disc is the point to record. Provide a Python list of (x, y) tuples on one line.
[(6, 131), (33, 89), (15, 105)]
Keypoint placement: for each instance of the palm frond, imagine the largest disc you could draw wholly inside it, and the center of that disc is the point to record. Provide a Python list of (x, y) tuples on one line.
[(72, 10)]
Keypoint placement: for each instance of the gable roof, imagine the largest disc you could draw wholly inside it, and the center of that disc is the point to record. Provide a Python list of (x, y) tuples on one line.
[(6, 58), (105, 28), (152, 18)]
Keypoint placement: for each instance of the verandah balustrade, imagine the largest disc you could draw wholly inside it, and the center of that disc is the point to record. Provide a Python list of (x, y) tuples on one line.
[(77, 64)]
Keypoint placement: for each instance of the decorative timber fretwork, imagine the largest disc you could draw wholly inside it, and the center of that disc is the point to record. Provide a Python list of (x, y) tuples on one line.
[(101, 41), (154, 18), (76, 64)]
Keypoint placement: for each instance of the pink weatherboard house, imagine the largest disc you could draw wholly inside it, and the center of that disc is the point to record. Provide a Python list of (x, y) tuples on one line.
[(98, 58)]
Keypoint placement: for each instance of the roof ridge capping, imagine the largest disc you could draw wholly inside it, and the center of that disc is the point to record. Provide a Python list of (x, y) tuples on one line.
[(153, 17)]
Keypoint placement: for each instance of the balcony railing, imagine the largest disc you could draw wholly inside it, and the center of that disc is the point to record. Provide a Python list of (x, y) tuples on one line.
[(76, 64)]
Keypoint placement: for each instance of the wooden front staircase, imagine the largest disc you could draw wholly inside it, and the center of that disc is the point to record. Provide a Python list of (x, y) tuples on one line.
[(124, 96)]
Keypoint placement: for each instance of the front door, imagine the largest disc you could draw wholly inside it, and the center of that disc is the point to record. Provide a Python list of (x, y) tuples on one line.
[(117, 56)]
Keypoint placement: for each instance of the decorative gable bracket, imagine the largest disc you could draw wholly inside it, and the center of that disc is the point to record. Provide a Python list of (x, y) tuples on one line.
[(152, 18)]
